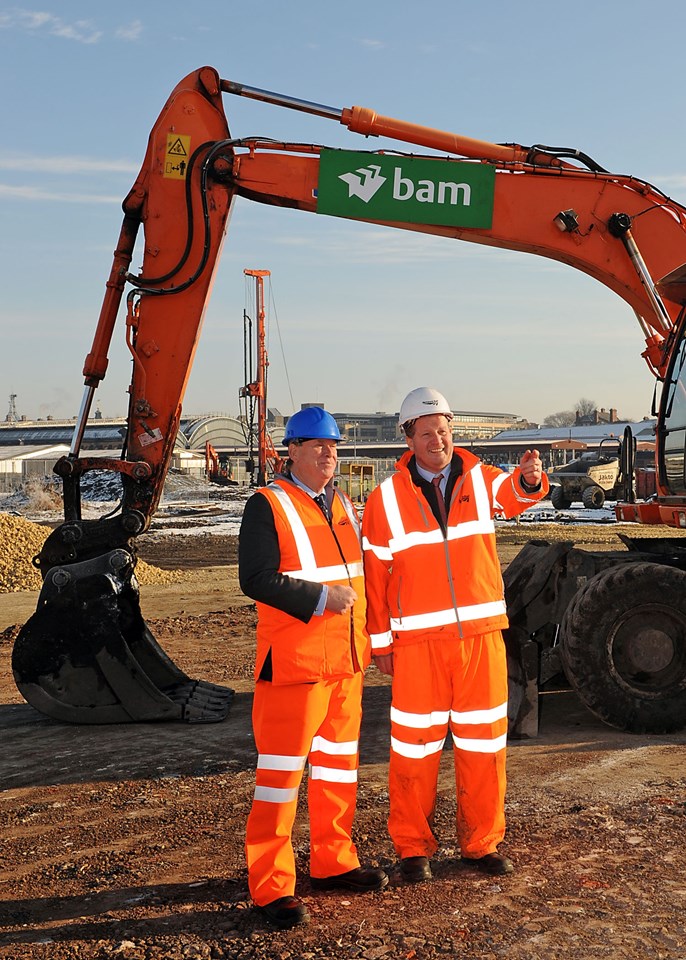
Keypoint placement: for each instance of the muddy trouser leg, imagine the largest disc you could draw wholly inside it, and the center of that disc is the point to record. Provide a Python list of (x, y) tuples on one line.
[(420, 712), (478, 722), (332, 783)]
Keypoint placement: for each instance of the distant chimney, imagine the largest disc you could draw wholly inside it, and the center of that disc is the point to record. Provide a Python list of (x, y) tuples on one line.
[(613, 415)]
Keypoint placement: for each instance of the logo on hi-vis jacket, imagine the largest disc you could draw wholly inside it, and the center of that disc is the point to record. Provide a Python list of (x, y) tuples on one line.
[(367, 186)]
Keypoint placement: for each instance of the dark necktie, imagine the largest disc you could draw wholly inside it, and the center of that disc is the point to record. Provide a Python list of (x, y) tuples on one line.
[(440, 498), (320, 500)]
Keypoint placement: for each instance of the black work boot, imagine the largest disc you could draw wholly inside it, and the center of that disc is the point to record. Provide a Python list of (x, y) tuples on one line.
[(494, 864), (415, 869), (285, 912), (359, 880)]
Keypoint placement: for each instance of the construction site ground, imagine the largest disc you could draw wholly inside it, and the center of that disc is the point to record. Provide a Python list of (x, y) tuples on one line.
[(127, 841)]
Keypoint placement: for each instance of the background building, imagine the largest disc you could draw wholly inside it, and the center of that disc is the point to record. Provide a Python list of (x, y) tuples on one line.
[(371, 440)]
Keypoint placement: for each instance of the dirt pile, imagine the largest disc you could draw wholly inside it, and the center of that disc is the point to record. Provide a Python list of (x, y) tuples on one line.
[(21, 540)]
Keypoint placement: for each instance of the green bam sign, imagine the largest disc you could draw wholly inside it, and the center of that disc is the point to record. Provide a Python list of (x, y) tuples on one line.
[(414, 190)]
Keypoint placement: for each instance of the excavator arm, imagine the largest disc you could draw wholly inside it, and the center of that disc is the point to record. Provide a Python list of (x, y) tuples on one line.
[(86, 655), (620, 230)]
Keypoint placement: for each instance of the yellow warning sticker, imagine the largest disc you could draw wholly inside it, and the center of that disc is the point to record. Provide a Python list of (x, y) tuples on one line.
[(176, 156)]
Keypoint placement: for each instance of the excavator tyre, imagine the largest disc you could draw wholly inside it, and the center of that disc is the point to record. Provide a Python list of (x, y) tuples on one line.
[(87, 655), (612, 622)]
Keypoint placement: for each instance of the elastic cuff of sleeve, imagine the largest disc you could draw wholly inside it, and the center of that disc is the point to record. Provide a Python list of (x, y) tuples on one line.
[(528, 487)]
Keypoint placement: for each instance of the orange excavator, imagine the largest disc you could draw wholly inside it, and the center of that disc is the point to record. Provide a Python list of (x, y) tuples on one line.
[(217, 466), (617, 625)]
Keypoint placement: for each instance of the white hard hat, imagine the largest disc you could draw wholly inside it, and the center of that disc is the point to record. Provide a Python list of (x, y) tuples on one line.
[(423, 402)]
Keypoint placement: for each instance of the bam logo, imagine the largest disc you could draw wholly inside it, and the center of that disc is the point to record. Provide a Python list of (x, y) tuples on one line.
[(364, 182), (426, 191), (430, 190)]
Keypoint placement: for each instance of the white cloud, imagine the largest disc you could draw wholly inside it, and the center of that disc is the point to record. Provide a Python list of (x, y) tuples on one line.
[(64, 165), (670, 180), (130, 32), (371, 43), (400, 246), (10, 192), (83, 31)]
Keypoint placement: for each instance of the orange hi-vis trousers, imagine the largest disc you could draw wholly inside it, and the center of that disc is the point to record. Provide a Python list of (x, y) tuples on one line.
[(319, 722), (440, 684)]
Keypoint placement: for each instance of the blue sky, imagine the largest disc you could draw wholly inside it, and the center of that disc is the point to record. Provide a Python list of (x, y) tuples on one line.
[(358, 314)]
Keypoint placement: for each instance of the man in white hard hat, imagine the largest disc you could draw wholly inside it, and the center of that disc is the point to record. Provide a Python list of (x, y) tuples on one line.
[(435, 614)]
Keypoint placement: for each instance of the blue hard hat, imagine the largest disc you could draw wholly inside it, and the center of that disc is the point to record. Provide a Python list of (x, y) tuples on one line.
[(312, 423)]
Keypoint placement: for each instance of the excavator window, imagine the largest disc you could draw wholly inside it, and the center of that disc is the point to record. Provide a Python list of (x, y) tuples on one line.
[(674, 434)]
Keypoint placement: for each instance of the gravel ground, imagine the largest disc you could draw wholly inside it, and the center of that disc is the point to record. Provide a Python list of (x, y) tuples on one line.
[(127, 841)]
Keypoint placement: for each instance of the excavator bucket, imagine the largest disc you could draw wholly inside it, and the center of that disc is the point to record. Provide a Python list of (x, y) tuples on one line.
[(87, 655)]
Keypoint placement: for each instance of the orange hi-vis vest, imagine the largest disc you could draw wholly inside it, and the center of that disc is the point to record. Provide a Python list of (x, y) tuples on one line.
[(332, 645), (419, 579)]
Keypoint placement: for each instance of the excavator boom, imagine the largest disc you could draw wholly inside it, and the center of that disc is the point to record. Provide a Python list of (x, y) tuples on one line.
[(87, 655)]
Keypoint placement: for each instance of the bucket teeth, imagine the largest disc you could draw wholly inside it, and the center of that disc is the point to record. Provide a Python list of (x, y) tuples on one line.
[(87, 655)]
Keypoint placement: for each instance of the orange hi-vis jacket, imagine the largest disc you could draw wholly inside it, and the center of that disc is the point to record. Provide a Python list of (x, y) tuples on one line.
[(329, 646), (419, 579)]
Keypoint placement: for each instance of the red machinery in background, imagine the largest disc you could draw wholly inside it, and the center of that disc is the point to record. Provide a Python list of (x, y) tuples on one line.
[(256, 365)]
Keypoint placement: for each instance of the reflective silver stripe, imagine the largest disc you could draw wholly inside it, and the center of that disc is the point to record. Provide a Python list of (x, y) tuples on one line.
[(382, 553), (420, 721), (416, 751), (302, 540), (480, 716), (471, 528), (482, 500), (480, 746), (442, 618), (390, 502), (530, 500), (421, 538), (497, 484), (402, 540), (381, 640), (332, 775), (275, 761), (347, 748), (324, 574), (276, 794), (521, 497), (308, 567), (417, 538)]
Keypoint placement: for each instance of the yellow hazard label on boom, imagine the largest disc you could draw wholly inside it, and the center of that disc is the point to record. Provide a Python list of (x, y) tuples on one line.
[(176, 156)]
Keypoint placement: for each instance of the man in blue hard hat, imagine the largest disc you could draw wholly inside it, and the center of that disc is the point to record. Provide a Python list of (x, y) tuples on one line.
[(300, 559)]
